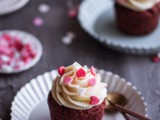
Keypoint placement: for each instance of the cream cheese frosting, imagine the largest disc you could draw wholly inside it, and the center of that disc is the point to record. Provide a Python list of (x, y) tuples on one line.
[(78, 87), (139, 5)]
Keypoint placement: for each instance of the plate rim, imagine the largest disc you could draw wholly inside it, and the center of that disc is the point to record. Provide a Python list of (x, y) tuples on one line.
[(109, 43), (35, 60), (55, 71), (14, 8)]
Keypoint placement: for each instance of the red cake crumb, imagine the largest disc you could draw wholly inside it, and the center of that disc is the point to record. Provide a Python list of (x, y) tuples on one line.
[(135, 22), (58, 112)]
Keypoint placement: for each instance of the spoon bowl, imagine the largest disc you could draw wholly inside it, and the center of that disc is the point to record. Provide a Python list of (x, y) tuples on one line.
[(115, 98)]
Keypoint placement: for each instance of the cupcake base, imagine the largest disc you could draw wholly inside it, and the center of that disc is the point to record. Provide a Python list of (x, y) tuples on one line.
[(136, 23), (58, 112)]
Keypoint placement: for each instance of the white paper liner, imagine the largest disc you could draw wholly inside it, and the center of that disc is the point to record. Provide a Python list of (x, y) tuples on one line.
[(30, 103)]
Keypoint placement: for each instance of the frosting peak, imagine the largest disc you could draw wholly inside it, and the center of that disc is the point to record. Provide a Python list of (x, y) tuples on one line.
[(139, 5), (78, 87)]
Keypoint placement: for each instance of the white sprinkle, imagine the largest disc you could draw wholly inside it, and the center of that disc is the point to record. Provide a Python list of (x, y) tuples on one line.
[(71, 35), (85, 67), (158, 55), (81, 91), (77, 64), (20, 64), (157, 92), (68, 38), (6, 68), (3, 42), (43, 8), (5, 58), (16, 55)]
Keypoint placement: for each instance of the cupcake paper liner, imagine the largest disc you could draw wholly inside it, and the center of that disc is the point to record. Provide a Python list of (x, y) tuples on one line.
[(30, 103)]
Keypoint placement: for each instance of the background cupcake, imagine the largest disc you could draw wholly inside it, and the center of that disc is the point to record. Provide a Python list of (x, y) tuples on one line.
[(77, 94), (137, 17)]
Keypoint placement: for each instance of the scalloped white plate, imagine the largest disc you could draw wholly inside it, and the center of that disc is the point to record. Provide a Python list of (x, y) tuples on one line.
[(30, 103), (24, 36), (97, 17), (9, 6)]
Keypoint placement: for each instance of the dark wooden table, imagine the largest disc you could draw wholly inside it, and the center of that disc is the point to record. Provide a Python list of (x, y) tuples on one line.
[(137, 69)]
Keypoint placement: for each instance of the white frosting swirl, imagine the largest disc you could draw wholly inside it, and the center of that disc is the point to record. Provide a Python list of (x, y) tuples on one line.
[(139, 5), (77, 94)]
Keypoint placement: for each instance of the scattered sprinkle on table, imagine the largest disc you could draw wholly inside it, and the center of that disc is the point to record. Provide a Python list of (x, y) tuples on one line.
[(43, 8), (157, 92), (156, 58), (68, 38), (72, 13), (37, 21)]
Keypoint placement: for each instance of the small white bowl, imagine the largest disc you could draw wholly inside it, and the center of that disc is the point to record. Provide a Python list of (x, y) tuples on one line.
[(24, 36), (30, 103), (9, 6)]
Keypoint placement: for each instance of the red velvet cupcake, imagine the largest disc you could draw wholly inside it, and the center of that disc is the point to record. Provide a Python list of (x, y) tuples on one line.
[(77, 94), (137, 17)]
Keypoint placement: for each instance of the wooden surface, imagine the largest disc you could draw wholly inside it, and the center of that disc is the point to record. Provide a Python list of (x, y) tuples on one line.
[(137, 69)]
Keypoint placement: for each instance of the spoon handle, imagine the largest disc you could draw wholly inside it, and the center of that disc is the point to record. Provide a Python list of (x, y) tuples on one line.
[(125, 116), (126, 110)]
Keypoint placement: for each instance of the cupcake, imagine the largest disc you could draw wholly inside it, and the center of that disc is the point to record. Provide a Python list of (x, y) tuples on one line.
[(137, 17), (77, 94)]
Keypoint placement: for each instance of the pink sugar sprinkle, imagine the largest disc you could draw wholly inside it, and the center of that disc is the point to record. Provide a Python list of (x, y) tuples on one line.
[(72, 13), (38, 21), (61, 70), (67, 80), (92, 82), (81, 73), (156, 59), (93, 71), (94, 100), (6, 37)]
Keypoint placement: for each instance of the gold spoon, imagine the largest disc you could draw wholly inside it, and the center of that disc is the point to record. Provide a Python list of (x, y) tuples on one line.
[(115, 98), (116, 102)]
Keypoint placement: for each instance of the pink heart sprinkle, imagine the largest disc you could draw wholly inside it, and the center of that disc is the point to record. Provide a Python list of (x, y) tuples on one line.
[(25, 54), (72, 13), (92, 82), (38, 21), (18, 44), (1, 61), (81, 73), (7, 37), (93, 71), (156, 59), (61, 70), (94, 100), (67, 80)]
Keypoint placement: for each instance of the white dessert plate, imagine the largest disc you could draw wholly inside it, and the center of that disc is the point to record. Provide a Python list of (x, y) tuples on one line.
[(9, 6), (97, 17), (25, 37), (30, 103)]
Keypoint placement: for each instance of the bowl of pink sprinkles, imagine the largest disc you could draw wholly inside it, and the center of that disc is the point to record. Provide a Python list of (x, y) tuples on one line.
[(19, 51)]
